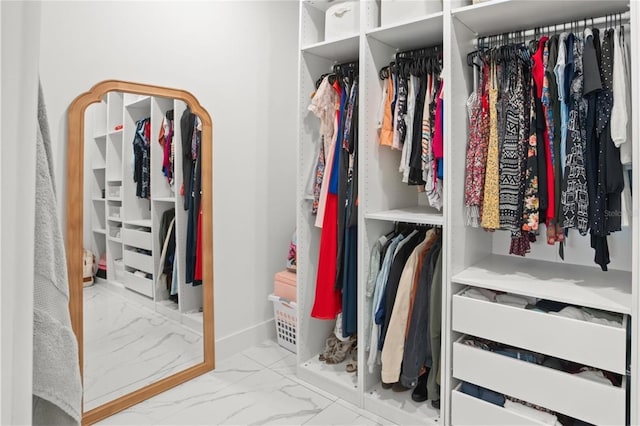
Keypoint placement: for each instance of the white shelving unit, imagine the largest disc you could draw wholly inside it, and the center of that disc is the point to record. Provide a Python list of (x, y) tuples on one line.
[(124, 226), (471, 257), (480, 259)]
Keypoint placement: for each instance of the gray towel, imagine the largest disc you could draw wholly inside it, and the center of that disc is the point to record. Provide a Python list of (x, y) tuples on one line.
[(57, 387)]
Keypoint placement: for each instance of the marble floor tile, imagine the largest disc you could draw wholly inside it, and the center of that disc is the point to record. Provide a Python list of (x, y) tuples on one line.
[(262, 398), (286, 366), (128, 346), (191, 393), (267, 353), (243, 391)]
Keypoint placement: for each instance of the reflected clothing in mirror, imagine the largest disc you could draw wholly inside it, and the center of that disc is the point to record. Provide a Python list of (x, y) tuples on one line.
[(167, 237), (142, 158), (191, 141)]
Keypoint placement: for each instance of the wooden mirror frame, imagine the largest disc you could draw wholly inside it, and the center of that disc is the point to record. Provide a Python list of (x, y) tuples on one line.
[(74, 242)]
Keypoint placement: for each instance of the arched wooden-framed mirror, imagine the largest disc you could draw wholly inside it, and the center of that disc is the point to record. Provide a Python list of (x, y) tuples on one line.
[(125, 232)]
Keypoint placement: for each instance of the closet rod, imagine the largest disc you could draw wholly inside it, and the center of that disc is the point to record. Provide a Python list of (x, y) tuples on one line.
[(613, 19), (420, 51)]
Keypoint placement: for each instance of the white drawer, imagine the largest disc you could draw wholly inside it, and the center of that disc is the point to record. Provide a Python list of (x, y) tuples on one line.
[(139, 284), (138, 261), (135, 238), (584, 342), (468, 410), (565, 393)]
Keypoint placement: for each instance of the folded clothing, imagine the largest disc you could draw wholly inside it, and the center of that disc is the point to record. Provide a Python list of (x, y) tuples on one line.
[(525, 410), (480, 294), (515, 300), (591, 315), (482, 393)]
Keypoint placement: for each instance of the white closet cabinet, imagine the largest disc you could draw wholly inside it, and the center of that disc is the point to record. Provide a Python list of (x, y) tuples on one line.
[(479, 259), (124, 226), (471, 257)]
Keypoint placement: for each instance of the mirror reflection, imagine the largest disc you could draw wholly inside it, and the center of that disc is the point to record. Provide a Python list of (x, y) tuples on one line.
[(142, 237)]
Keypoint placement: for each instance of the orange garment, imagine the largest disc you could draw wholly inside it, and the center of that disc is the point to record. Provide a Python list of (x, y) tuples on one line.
[(386, 132)]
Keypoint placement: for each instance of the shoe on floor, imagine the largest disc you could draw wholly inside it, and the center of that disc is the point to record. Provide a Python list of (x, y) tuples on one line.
[(419, 394)]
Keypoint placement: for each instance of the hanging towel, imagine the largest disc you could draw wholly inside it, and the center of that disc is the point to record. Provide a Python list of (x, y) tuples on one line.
[(57, 387)]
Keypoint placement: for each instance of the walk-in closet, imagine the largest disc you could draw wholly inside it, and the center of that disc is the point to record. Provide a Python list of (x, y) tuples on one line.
[(548, 288)]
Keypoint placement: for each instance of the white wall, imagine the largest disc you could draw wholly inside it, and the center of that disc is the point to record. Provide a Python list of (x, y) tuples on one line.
[(20, 35), (239, 59)]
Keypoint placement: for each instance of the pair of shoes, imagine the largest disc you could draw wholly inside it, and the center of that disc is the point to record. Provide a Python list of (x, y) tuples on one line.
[(329, 347), (419, 394), (399, 387), (352, 367), (340, 350)]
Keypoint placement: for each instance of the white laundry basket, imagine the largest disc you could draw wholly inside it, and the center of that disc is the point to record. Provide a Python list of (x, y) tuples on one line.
[(286, 319)]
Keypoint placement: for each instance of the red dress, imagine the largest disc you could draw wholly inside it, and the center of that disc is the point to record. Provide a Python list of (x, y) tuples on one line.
[(328, 301)]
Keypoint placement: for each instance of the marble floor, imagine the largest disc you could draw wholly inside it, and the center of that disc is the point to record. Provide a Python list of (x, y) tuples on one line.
[(128, 345), (255, 387)]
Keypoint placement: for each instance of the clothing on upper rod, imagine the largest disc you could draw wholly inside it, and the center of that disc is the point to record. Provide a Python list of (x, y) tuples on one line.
[(335, 195), (410, 118), (549, 137)]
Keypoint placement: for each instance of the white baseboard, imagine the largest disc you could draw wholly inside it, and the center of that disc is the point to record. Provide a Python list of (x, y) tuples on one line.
[(244, 339)]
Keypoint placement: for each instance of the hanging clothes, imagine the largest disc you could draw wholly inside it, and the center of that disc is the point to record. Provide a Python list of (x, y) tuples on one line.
[(142, 158), (553, 155), (411, 119), (192, 274), (335, 103), (166, 141)]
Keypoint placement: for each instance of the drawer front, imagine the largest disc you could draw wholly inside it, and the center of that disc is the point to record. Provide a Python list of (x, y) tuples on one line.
[(138, 261), (139, 284), (468, 410), (552, 389), (562, 337), (139, 239)]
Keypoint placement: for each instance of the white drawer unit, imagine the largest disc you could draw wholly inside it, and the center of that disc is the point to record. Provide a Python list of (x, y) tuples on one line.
[(138, 284), (469, 410), (584, 342), (137, 238), (138, 261), (556, 390)]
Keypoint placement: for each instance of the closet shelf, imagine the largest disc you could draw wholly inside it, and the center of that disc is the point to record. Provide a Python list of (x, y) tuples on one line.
[(322, 5), (399, 407), (100, 231), (412, 34), (141, 103), (498, 16), (332, 378), (578, 285), (139, 222), (115, 240), (340, 50), (164, 199), (99, 167), (114, 219), (408, 214), (116, 132), (97, 199), (100, 136), (114, 199)]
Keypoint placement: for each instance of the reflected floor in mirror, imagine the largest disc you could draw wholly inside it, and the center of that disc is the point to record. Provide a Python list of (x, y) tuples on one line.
[(128, 345), (258, 386)]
